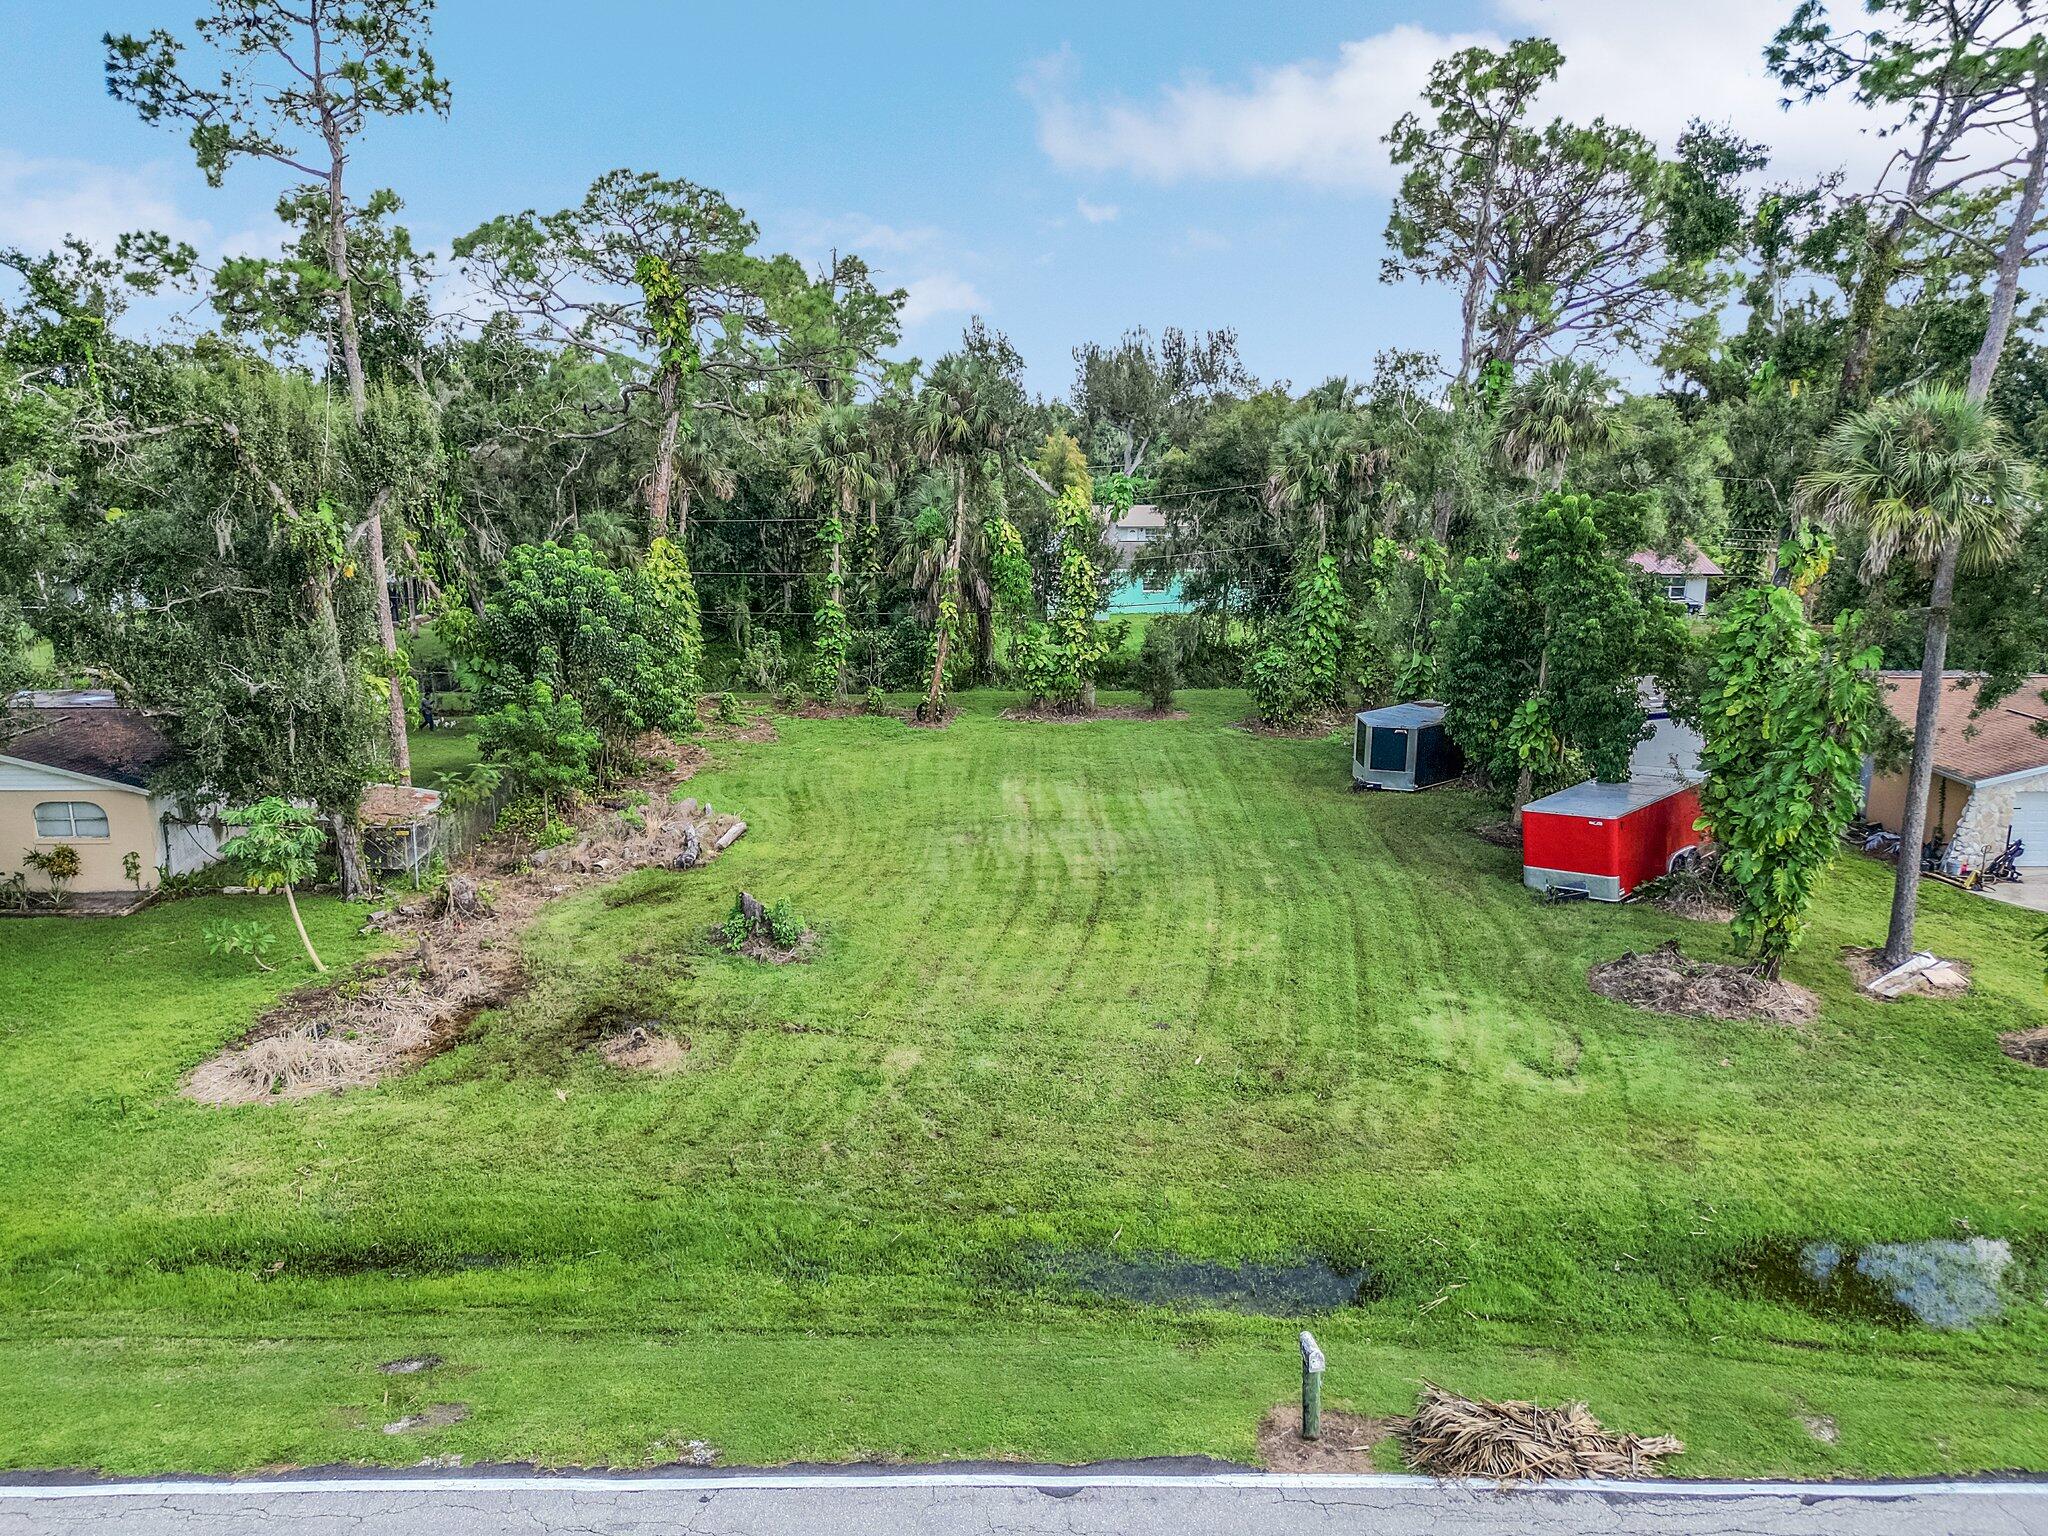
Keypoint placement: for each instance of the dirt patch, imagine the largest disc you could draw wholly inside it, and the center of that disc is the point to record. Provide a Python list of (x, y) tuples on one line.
[(1041, 716), (1694, 908), (435, 1416), (811, 709), (1821, 1427), (1453, 1436), (641, 1049), (1502, 834), (1945, 978), (391, 1014), (756, 728), (1665, 981), (1346, 1446), (760, 945), (2027, 1045), (1314, 729), (409, 1365)]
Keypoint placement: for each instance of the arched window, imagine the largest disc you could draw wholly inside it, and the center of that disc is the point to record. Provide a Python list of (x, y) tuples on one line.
[(70, 819)]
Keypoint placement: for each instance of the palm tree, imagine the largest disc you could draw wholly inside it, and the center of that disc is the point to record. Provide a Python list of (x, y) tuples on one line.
[(835, 457), (1555, 414), (1321, 467), (700, 466), (1933, 476), (963, 425)]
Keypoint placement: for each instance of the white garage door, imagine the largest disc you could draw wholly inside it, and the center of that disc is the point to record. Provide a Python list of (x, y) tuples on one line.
[(2030, 824)]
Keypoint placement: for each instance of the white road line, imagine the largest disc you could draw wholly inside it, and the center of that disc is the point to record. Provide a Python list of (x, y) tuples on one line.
[(1663, 1488)]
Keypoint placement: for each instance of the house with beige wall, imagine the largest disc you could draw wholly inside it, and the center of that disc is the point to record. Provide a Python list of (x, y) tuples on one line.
[(1990, 769), (75, 768)]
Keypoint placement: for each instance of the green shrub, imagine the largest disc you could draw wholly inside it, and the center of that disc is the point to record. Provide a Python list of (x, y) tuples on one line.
[(622, 640), (762, 664), (541, 745), (785, 923), (1157, 672), (875, 702), (58, 865), (1282, 689), (534, 819), (251, 940), (789, 698), (729, 711), (734, 931)]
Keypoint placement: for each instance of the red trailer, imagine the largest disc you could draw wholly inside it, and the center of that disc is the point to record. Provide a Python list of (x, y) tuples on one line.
[(1607, 839)]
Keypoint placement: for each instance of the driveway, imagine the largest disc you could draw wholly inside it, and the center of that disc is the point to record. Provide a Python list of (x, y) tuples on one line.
[(1019, 1501), (2030, 892)]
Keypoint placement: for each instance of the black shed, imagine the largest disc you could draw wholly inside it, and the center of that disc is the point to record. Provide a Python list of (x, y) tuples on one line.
[(1404, 746)]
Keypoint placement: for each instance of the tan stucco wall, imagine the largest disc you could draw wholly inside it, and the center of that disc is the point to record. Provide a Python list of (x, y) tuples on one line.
[(1886, 803), (131, 826)]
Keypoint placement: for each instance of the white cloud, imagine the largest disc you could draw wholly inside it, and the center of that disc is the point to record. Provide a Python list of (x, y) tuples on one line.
[(1096, 213), (856, 234), (1649, 64), (44, 199), (940, 293)]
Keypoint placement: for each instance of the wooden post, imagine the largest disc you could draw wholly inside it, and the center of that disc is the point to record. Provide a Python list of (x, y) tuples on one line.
[(1311, 1387)]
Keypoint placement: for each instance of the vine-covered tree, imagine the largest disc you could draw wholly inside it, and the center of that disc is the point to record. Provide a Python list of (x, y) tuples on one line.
[(834, 464), (1959, 85), (967, 417), (321, 70), (1786, 716)]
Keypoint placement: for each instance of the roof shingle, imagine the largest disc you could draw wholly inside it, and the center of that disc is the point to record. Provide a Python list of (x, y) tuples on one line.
[(2005, 739), (99, 740)]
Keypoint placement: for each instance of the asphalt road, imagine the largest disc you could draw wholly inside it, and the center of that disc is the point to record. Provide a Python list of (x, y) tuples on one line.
[(1013, 1503)]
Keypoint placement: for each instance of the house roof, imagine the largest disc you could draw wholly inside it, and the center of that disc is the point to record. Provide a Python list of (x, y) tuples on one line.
[(2006, 739), (1142, 516), (1687, 562), (85, 733)]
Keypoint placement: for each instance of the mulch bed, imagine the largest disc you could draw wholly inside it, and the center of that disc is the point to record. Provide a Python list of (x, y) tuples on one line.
[(1502, 834), (1038, 716), (1694, 908), (2026, 1045), (1317, 729), (1665, 981)]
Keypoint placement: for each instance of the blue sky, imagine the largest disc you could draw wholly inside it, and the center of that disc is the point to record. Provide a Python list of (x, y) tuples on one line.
[(1064, 170)]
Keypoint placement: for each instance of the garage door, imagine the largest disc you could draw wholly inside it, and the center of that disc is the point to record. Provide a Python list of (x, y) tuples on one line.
[(2030, 825)]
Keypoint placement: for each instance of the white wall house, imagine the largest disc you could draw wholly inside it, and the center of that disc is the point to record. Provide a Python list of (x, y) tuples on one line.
[(1138, 527), (1683, 576), (75, 770)]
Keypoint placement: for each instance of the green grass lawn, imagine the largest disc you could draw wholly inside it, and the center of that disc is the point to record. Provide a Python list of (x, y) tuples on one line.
[(439, 753), (1147, 987)]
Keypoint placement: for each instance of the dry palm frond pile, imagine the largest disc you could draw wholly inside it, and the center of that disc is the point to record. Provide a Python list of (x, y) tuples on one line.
[(1452, 1436)]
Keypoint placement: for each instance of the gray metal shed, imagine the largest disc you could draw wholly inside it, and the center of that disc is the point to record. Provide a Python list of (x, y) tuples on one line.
[(1403, 746)]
